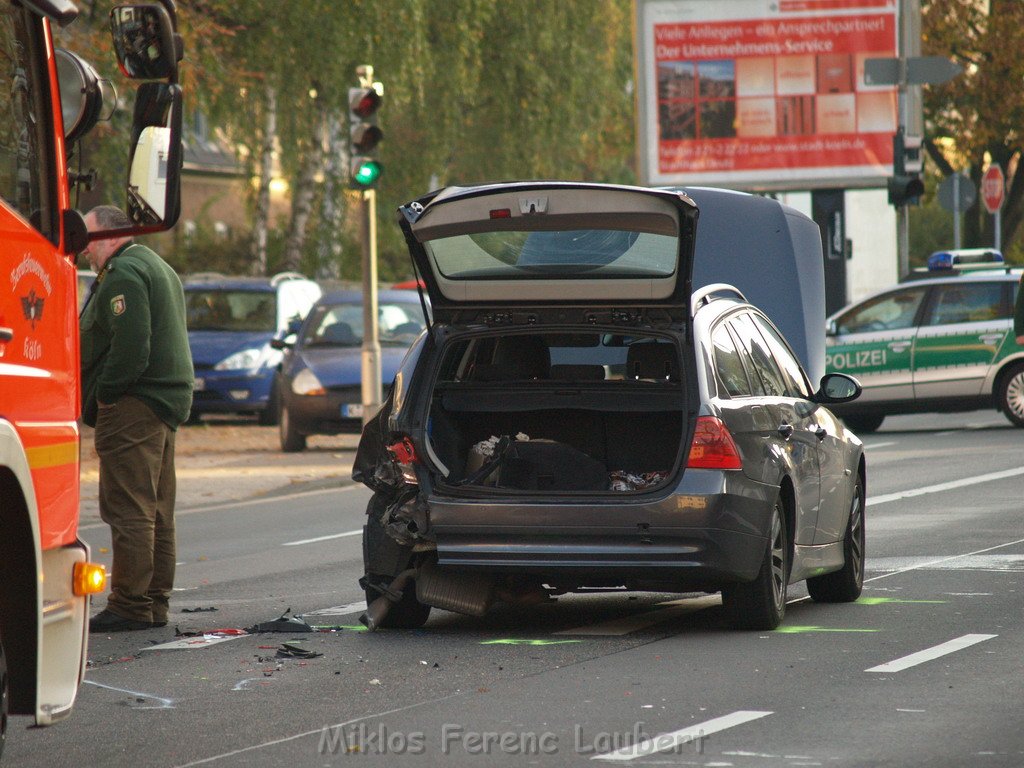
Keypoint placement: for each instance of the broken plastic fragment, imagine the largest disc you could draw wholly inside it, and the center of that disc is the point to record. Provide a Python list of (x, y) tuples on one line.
[(283, 623)]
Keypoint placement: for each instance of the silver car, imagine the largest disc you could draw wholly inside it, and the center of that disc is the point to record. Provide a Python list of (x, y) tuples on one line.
[(578, 417)]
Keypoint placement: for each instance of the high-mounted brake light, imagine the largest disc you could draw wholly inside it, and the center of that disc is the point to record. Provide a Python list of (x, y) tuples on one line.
[(501, 213), (713, 446), (404, 454)]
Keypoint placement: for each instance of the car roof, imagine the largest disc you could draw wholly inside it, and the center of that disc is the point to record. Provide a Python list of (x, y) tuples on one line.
[(987, 272)]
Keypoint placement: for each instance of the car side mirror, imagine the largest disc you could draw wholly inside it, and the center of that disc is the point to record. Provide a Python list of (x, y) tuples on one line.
[(832, 329), (837, 388), (282, 344)]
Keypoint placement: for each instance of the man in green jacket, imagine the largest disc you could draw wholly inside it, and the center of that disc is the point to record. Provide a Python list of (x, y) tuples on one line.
[(137, 384)]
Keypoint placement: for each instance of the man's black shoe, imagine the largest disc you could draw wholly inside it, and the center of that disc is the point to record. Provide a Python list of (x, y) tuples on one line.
[(157, 624), (107, 621)]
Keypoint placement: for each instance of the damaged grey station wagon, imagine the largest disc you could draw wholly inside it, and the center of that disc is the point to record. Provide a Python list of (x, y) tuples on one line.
[(576, 416)]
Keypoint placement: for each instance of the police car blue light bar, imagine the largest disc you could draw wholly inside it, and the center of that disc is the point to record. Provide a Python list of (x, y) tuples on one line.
[(956, 258)]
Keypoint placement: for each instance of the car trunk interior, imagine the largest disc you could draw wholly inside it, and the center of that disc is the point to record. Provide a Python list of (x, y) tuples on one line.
[(550, 413)]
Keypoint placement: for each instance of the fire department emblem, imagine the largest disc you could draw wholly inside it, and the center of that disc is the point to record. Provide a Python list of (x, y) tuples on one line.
[(32, 307), (117, 305)]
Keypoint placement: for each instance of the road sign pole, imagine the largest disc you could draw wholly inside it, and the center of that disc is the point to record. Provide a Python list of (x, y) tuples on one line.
[(999, 229), (956, 211)]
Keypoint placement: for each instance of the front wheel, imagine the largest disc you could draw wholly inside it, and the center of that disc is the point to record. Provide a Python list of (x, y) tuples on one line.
[(845, 585), (1011, 395), (292, 440), (761, 603), (864, 422)]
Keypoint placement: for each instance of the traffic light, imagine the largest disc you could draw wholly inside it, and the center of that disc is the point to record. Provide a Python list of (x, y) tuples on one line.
[(905, 185), (364, 134)]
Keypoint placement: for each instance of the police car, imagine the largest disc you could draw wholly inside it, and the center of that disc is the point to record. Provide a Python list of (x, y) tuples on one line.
[(942, 340)]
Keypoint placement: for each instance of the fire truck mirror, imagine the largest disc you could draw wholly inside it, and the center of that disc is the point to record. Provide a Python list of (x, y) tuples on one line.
[(155, 168), (145, 41)]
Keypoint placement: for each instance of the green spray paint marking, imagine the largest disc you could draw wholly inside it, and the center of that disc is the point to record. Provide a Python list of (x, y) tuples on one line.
[(796, 630), (885, 600), (514, 641)]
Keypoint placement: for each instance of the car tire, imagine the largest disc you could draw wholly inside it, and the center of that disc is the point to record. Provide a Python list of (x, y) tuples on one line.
[(761, 603), (4, 696), (845, 585), (864, 422), (268, 417), (1011, 394), (378, 555), (291, 440)]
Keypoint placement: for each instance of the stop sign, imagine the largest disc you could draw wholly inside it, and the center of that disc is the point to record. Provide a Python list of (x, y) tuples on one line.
[(993, 188)]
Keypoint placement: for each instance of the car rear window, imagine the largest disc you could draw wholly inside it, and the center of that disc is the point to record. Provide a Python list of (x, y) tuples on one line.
[(227, 310), (516, 255)]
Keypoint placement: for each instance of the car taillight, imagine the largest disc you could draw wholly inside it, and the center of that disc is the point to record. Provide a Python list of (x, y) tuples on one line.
[(404, 454), (713, 446)]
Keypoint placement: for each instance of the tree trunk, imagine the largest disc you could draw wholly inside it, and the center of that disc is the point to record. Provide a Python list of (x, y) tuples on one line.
[(302, 202), (262, 216), (329, 251)]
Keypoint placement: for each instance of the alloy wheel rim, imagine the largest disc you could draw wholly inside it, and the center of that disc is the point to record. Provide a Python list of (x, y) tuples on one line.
[(857, 534), (1015, 394), (778, 560)]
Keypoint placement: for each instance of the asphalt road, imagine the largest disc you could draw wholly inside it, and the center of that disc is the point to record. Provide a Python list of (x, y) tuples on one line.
[(925, 670)]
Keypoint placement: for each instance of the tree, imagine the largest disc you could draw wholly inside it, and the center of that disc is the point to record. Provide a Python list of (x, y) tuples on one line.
[(983, 109)]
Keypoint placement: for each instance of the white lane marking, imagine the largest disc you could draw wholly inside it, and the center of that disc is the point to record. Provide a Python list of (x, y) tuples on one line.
[(358, 532), (627, 624), (667, 741), (941, 560), (318, 731), (929, 654), (872, 501), (164, 703), (192, 643), (245, 502), (338, 610), (881, 445)]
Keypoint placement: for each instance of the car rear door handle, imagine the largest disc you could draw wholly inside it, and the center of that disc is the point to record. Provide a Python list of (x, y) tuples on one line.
[(991, 338), (899, 346), (786, 430), (6, 334)]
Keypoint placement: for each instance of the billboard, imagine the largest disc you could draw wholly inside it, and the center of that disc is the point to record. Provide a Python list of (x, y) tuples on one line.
[(764, 94)]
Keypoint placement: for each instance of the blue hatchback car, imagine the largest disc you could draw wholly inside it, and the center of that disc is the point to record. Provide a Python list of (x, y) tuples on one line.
[(231, 322), (320, 383)]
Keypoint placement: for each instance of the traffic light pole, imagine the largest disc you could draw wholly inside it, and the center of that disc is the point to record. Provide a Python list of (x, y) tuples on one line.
[(371, 390)]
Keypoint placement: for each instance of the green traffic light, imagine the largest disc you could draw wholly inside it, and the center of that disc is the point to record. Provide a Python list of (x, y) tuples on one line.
[(366, 172)]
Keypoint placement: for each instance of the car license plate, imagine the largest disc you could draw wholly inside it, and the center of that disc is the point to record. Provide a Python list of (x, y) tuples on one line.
[(352, 410), (200, 385)]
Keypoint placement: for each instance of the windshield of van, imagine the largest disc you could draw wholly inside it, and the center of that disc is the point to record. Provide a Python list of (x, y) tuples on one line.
[(593, 253), (211, 309)]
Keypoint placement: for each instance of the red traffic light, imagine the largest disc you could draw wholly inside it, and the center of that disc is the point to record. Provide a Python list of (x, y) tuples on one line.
[(363, 102)]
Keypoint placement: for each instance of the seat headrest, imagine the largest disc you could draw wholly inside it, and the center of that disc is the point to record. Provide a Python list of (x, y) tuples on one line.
[(527, 357), (652, 360)]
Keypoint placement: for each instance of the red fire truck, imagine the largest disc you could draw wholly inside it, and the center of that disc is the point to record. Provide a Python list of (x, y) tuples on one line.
[(49, 99)]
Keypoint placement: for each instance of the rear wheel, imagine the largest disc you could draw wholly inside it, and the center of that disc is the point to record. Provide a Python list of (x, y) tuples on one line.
[(3, 696), (383, 559), (761, 603), (291, 440), (844, 585), (864, 422), (1011, 395)]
